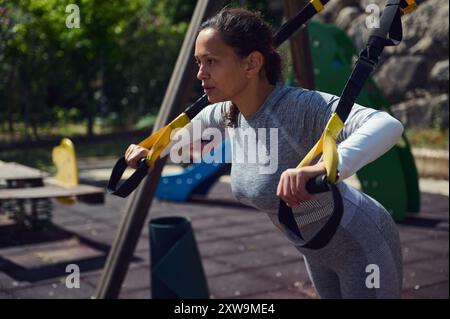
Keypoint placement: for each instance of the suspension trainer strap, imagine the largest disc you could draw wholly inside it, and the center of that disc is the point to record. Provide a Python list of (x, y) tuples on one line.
[(389, 34)]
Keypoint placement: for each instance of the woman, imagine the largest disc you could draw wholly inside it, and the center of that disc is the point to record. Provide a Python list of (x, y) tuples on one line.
[(240, 72)]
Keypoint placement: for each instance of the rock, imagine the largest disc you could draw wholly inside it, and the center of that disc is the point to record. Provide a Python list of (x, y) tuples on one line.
[(416, 72), (429, 20), (398, 75), (425, 112), (439, 75), (358, 32), (380, 3), (333, 8), (346, 16), (422, 47)]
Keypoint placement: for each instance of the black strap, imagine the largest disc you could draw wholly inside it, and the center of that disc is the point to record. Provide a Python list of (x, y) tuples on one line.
[(293, 25), (131, 183), (195, 108), (389, 33), (127, 187)]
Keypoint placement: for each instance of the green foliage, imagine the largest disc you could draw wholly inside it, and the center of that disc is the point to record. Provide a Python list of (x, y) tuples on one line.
[(116, 65), (111, 71), (262, 6), (428, 138)]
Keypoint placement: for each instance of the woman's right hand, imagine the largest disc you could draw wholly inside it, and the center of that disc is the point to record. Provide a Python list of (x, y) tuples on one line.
[(134, 154)]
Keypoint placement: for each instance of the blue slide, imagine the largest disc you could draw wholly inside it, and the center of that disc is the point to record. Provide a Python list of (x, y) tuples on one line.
[(195, 179)]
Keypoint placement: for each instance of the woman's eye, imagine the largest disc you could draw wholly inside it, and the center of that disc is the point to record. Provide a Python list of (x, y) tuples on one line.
[(207, 62)]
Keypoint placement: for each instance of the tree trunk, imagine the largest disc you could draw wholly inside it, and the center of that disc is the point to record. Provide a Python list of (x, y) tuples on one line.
[(11, 129), (26, 114), (90, 124), (34, 129)]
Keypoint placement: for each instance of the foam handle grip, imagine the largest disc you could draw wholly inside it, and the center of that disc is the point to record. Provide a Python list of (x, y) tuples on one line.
[(318, 184)]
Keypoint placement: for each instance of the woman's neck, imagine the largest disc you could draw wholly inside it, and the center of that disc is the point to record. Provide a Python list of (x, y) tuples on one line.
[(253, 97)]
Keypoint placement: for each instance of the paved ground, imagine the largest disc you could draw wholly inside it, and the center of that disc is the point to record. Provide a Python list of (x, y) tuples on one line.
[(244, 256)]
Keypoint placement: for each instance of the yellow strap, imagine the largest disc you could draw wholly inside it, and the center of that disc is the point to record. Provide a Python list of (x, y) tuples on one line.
[(327, 146), (317, 5), (150, 141), (330, 154), (159, 141), (313, 153), (180, 121), (412, 5)]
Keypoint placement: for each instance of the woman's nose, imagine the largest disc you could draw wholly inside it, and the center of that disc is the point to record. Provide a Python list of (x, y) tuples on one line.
[(201, 75)]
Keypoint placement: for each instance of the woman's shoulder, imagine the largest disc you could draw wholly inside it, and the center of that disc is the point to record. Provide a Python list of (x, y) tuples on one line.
[(306, 99), (220, 107), (215, 110), (213, 114)]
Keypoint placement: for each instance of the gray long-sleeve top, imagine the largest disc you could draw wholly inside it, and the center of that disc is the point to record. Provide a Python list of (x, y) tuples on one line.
[(280, 134)]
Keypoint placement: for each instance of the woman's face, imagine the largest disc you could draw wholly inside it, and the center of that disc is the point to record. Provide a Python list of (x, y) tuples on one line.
[(223, 74)]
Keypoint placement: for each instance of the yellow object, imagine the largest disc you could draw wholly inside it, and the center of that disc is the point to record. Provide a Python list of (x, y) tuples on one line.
[(159, 141), (412, 5), (327, 146), (65, 160), (317, 5)]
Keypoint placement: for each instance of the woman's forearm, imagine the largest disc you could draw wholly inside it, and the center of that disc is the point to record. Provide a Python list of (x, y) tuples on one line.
[(370, 141)]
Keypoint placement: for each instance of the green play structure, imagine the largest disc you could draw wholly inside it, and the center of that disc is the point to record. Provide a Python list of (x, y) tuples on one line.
[(392, 179)]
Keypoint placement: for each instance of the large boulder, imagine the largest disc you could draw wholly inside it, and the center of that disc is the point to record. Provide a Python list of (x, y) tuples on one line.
[(358, 32), (415, 74), (424, 112), (426, 31), (333, 8), (346, 16), (439, 75), (401, 74)]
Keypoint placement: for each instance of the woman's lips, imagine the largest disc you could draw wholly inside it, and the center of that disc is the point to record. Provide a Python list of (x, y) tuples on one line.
[(208, 89)]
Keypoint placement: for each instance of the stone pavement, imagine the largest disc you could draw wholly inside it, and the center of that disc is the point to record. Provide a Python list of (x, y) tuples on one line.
[(243, 254)]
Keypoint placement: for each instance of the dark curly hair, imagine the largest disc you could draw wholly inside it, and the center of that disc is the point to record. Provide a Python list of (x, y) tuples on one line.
[(246, 32)]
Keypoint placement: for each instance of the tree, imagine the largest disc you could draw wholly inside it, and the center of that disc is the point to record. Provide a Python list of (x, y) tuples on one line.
[(115, 66)]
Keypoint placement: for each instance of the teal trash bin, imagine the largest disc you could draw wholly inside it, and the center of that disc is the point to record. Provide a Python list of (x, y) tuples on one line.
[(176, 268)]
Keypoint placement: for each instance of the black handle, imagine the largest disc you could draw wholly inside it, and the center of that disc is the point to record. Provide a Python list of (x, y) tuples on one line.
[(127, 187), (318, 184)]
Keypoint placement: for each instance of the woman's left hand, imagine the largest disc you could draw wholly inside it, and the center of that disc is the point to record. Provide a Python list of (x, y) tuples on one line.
[(292, 186)]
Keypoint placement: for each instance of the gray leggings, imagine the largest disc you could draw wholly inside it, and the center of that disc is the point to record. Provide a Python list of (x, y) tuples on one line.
[(362, 260)]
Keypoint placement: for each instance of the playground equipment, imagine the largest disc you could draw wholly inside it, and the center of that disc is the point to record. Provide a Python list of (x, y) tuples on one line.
[(27, 197), (195, 179)]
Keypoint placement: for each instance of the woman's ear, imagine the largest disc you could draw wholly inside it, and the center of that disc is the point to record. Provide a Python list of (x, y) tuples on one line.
[(255, 62)]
